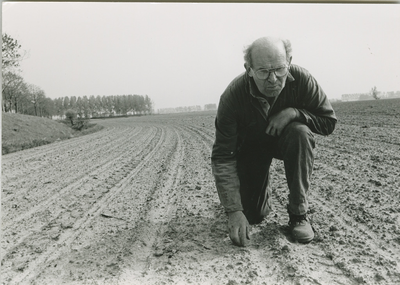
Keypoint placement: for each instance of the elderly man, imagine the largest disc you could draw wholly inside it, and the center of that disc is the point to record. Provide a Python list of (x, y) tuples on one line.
[(270, 111)]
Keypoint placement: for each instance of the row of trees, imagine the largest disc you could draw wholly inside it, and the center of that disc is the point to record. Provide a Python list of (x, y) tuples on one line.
[(29, 99), (101, 106), (21, 97)]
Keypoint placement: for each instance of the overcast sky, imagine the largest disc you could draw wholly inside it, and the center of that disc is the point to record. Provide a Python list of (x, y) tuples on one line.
[(184, 54)]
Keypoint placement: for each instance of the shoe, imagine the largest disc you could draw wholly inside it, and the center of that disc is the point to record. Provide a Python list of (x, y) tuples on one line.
[(300, 228)]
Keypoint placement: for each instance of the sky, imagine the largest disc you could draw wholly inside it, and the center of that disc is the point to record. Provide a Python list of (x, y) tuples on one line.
[(185, 54)]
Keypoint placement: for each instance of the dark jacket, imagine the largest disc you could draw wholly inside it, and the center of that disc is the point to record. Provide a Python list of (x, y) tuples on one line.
[(241, 123)]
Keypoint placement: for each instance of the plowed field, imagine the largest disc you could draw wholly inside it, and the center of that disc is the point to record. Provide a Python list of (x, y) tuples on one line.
[(136, 204)]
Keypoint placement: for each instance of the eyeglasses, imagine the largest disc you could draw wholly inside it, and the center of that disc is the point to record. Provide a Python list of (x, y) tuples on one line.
[(280, 71)]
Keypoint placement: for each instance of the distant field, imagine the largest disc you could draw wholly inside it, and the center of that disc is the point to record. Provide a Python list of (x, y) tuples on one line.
[(373, 113), (135, 203)]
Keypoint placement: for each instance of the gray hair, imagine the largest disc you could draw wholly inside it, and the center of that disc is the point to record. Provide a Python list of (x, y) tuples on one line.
[(247, 52)]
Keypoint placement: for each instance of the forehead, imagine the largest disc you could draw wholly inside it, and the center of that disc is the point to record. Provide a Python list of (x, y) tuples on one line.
[(268, 56)]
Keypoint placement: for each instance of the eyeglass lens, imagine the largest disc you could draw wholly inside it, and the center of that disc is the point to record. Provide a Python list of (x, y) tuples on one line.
[(264, 74)]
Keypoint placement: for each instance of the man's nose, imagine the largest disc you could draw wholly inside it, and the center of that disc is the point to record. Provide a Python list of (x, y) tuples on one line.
[(272, 77)]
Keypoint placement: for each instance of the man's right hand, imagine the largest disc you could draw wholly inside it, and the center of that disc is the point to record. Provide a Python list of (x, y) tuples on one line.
[(238, 228)]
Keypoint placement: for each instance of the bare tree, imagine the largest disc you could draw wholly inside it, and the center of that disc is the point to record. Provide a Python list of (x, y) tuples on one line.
[(11, 89), (37, 97), (148, 104), (10, 60), (10, 52), (374, 92)]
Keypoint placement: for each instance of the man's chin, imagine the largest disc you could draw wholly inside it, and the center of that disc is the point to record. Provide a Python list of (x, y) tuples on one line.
[(272, 93)]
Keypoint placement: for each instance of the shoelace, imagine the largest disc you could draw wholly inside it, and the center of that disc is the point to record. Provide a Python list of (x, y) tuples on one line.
[(296, 219)]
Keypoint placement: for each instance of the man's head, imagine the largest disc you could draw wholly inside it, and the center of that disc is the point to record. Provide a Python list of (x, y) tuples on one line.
[(268, 54)]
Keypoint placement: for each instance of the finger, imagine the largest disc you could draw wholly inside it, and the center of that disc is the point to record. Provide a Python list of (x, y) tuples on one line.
[(242, 235), (248, 232), (267, 131), (278, 132), (233, 235), (271, 130)]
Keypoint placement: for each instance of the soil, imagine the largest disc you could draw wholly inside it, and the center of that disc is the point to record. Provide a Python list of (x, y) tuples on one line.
[(135, 203)]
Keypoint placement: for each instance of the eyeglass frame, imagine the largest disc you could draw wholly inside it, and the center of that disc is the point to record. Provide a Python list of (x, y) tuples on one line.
[(271, 70)]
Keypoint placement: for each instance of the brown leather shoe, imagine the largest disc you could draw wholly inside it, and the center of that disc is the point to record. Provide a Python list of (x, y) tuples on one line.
[(301, 228)]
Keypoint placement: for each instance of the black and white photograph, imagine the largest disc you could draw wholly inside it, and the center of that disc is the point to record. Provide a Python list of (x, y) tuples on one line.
[(200, 143)]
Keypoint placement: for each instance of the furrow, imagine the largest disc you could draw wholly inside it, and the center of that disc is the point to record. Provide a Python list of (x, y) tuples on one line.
[(62, 153), (40, 217), (155, 220), (61, 246), (68, 187)]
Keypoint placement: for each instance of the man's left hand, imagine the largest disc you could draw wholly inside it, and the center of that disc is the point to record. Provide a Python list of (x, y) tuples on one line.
[(279, 121)]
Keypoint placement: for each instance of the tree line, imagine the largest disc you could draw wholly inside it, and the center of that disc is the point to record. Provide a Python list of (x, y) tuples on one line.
[(103, 106), (21, 97)]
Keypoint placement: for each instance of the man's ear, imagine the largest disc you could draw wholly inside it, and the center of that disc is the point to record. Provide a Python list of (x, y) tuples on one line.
[(247, 67)]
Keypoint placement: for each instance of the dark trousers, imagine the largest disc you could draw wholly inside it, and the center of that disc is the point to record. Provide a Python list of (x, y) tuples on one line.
[(295, 147)]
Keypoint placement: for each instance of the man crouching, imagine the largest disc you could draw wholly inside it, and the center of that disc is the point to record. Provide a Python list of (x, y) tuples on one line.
[(269, 111)]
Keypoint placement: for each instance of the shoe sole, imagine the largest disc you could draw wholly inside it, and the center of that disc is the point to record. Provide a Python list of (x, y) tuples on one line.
[(304, 240)]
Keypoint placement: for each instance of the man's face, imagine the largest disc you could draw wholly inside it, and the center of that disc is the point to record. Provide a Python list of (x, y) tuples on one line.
[(269, 58)]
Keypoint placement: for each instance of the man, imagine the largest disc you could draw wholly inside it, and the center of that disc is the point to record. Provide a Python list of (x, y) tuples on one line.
[(270, 111)]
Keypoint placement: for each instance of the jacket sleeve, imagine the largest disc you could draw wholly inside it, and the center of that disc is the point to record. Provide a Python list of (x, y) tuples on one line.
[(316, 109), (223, 159)]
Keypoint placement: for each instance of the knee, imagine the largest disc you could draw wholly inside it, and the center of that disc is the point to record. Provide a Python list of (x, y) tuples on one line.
[(297, 129), (296, 132)]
